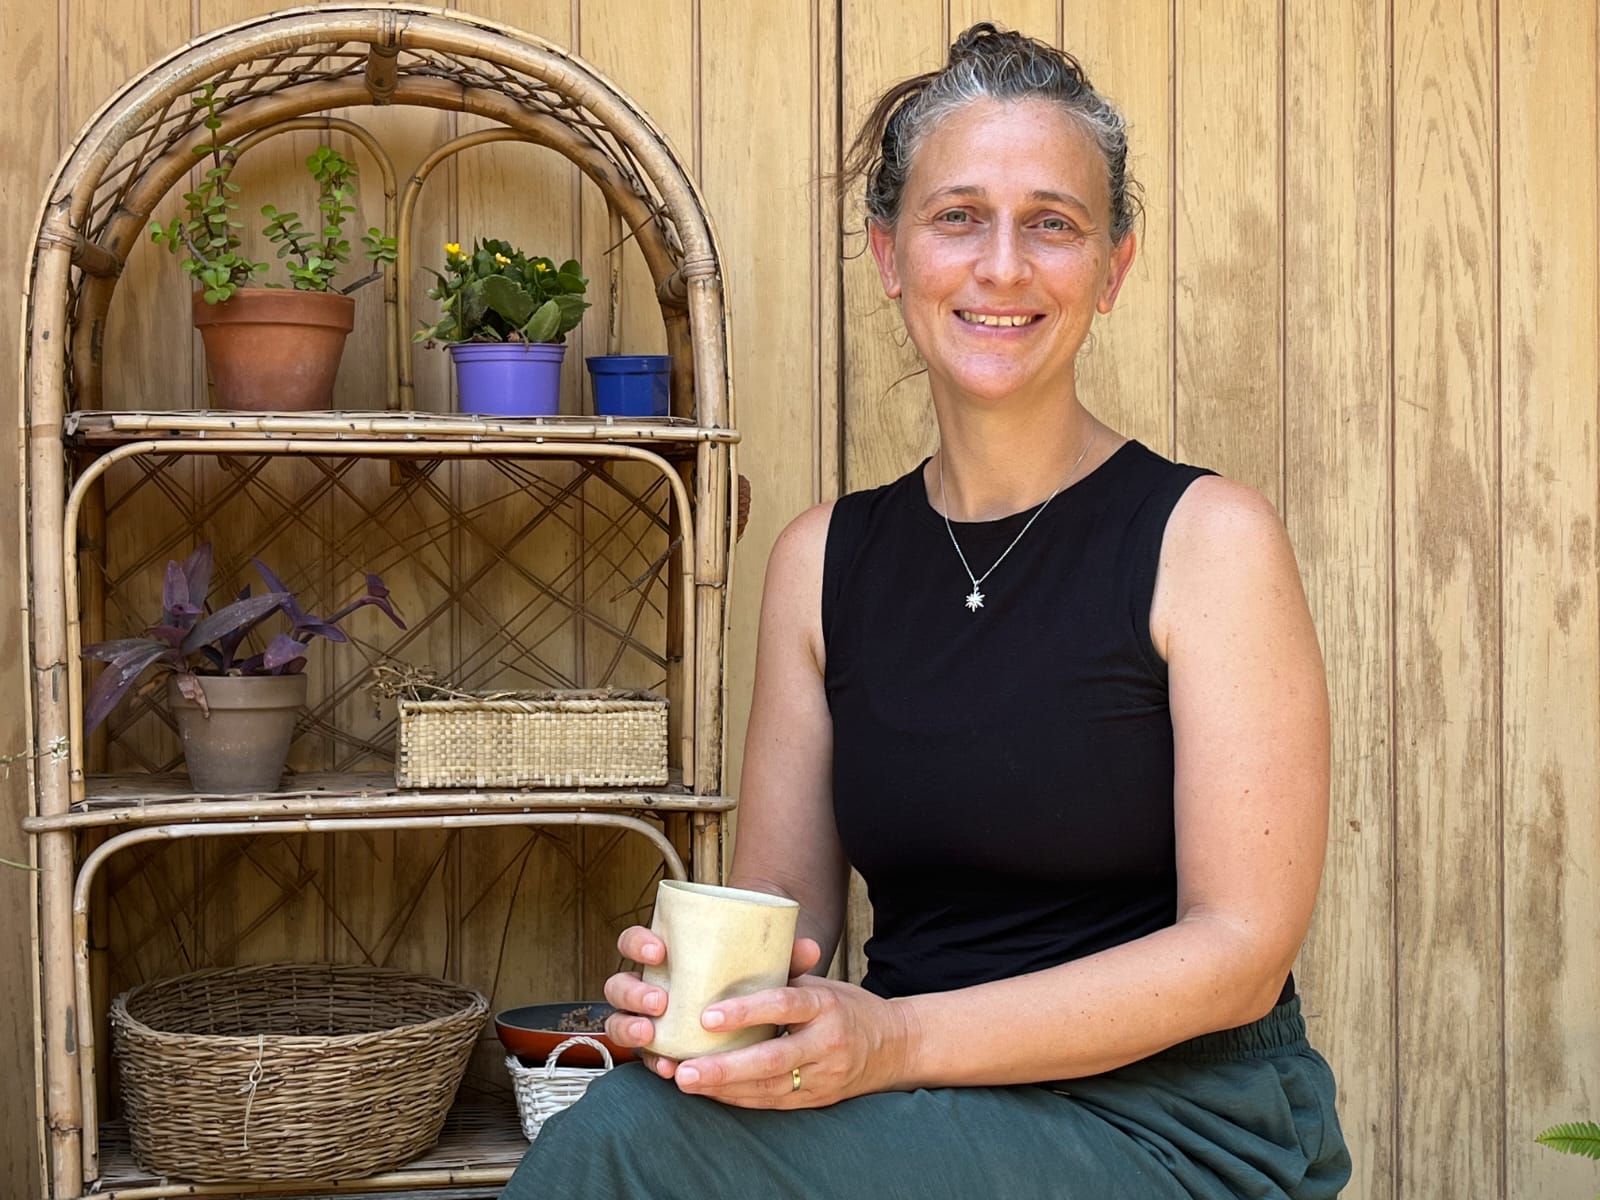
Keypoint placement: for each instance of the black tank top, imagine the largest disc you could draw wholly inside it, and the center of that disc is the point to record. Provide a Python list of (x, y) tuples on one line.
[(1003, 778)]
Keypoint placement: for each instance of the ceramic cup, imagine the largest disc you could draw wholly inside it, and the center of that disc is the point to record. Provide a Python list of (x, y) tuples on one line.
[(721, 942)]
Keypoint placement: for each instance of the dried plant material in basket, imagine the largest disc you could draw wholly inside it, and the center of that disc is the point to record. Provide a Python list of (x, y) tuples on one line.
[(544, 1091), (306, 1071), (599, 738)]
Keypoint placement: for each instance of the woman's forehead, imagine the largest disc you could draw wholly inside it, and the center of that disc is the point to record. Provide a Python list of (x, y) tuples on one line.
[(1031, 147)]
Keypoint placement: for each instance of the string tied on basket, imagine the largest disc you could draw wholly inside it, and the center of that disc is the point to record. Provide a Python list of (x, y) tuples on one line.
[(248, 1088)]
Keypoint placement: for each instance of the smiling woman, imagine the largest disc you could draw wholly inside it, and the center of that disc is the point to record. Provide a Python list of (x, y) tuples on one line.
[(1089, 800)]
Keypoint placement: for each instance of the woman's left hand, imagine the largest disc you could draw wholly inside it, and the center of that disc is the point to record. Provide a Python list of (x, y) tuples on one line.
[(843, 1040)]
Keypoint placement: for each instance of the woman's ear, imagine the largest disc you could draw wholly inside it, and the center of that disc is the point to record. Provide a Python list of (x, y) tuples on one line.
[(1122, 256), (881, 239)]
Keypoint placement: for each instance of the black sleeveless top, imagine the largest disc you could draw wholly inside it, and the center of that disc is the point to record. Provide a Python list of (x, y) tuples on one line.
[(1003, 778)]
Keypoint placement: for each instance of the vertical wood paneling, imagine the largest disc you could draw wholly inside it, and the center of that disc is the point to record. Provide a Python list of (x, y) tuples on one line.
[(1036, 18), (147, 325), (1125, 373), (1337, 301), (653, 63), (767, 238), (1338, 502), (1448, 884), (888, 417), (1226, 202), (29, 51), (1549, 335)]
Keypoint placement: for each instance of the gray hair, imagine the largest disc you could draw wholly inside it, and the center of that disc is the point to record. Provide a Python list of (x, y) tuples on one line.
[(995, 64)]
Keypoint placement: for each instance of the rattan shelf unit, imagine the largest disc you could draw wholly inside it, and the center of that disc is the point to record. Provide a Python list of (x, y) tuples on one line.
[(479, 494)]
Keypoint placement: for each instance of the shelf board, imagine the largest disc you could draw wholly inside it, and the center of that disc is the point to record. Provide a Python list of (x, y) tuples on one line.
[(127, 800), (481, 1143), (105, 430)]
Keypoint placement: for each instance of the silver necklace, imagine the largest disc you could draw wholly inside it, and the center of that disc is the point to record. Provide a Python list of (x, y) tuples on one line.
[(974, 599)]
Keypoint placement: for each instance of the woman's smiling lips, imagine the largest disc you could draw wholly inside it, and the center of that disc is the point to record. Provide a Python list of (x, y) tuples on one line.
[(996, 321)]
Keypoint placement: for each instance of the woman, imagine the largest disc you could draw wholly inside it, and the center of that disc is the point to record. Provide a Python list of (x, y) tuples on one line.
[(1061, 703)]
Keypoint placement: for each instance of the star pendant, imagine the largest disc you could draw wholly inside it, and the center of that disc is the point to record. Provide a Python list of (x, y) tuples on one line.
[(975, 601)]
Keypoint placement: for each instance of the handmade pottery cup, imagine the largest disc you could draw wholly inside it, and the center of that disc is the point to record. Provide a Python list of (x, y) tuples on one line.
[(721, 942)]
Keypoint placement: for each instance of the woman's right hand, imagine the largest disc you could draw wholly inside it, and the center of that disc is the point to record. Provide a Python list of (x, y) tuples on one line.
[(637, 1002)]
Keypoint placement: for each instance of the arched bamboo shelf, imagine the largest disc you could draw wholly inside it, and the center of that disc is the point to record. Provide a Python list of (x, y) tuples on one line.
[(284, 72)]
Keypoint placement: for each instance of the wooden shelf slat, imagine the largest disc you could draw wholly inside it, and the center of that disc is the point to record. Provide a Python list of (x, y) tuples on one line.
[(126, 800)]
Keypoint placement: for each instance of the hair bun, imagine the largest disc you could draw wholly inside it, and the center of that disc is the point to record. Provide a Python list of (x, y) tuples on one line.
[(978, 40)]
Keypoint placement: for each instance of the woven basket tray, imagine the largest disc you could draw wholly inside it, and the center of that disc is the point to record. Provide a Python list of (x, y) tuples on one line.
[(305, 1071), (533, 739), (544, 1091)]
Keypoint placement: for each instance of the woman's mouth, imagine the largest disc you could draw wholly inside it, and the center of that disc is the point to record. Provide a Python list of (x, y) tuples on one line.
[(997, 320)]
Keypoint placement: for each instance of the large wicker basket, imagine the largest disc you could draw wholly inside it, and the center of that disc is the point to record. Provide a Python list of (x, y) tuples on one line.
[(533, 739), (305, 1071)]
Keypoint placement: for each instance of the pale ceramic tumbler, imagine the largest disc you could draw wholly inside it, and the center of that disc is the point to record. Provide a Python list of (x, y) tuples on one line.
[(721, 942)]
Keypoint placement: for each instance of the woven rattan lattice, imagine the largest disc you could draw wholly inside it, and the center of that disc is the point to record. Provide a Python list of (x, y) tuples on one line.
[(557, 552)]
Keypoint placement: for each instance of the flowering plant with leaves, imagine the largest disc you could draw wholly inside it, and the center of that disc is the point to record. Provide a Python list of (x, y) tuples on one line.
[(188, 641), (496, 293), (209, 234)]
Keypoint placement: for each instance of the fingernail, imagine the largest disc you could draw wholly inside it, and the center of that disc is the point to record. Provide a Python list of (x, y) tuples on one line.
[(688, 1075), (641, 1030), (654, 1000), (712, 1018)]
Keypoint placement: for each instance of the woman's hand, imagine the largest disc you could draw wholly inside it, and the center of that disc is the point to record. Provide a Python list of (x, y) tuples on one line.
[(843, 1041), (637, 1001)]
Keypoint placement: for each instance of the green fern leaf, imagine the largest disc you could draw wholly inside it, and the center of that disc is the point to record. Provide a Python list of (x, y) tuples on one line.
[(1578, 1137)]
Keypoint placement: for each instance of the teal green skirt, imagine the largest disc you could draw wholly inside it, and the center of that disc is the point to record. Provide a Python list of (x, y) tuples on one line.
[(1248, 1112)]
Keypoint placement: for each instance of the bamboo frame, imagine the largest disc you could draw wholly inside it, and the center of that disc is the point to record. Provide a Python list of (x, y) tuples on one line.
[(93, 215), (82, 891)]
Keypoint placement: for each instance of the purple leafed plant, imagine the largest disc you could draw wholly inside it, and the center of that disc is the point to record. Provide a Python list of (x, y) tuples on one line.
[(188, 642)]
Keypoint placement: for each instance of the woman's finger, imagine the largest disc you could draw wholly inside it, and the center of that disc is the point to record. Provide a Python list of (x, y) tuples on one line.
[(641, 946), (775, 1006), (807, 953), (627, 993)]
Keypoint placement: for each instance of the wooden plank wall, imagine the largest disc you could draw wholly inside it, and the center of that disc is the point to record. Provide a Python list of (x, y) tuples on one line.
[(1368, 284)]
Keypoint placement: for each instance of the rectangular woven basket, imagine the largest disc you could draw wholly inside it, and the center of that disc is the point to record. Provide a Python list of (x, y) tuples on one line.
[(604, 738)]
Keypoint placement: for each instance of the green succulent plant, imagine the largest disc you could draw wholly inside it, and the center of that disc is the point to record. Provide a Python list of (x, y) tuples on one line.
[(208, 233)]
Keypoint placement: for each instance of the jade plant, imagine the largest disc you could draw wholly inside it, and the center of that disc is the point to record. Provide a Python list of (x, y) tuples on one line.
[(188, 642), (208, 233), (496, 293)]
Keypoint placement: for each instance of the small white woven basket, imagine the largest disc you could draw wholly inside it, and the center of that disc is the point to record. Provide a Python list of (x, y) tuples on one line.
[(544, 1091)]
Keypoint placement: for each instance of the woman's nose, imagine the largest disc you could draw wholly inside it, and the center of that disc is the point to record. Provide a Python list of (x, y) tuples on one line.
[(1003, 259)]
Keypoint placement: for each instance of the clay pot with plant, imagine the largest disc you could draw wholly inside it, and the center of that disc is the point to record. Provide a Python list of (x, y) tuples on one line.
[(235, 709), (270, 347)]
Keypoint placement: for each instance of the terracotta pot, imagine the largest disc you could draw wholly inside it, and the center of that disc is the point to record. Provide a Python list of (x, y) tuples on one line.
[(274, 349), (243, 744)]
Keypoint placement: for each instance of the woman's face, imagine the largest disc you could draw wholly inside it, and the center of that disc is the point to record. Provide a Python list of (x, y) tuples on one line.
[(1002, 252)]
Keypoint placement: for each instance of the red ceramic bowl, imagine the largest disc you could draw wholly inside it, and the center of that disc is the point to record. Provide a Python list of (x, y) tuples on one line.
[(532, 1031)]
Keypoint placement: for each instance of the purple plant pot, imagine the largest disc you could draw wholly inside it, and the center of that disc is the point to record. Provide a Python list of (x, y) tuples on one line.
[(509, 379)]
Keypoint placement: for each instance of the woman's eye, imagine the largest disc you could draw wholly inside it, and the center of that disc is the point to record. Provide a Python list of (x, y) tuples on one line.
[(1056, 225), (955, 216)]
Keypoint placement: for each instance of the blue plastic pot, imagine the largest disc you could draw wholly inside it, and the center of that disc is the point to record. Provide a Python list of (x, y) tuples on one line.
[(630, 385), (509, 379)]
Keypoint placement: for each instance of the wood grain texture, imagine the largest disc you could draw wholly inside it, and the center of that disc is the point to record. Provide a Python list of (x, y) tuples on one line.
[(1448, 884), (620, 870), (1125, 372), (1338, 505), (1228, 232), (1036, 18), (1550, 720), (758, 181), (888, 416), (29, 146)]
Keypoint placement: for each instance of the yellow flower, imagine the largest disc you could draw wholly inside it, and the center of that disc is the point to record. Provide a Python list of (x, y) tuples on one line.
[(541, 267), (502, 260), (452, 248)]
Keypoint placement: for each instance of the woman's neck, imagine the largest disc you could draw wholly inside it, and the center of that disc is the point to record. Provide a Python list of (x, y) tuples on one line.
[(992, 464)]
